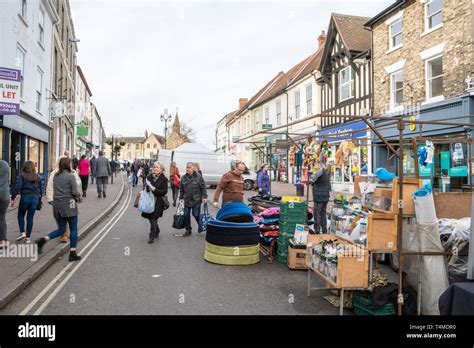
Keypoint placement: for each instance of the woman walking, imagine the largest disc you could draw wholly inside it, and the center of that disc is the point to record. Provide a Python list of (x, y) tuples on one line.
[(65, 210), (4, 200), (263, 180), (197, 168), (157, 183), (84, 168), (30, 188), (175, 179)]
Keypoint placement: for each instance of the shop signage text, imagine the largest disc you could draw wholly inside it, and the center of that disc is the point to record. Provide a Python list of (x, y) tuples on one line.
[(10, 84), (267, 126), (340, 133)]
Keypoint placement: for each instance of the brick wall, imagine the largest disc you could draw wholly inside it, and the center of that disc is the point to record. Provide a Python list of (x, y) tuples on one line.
[(456, 33)]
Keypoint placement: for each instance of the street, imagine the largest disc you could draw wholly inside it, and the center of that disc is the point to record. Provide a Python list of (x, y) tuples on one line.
[(122, 274)]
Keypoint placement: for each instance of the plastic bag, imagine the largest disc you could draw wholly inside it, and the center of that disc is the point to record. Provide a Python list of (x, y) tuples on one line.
[(178, 218), (146, 204), (204, 218)]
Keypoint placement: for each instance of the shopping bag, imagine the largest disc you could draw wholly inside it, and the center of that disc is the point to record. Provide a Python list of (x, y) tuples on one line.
[(146, 203), (178, 218), (204, 218), (176, 181), (137, 199)]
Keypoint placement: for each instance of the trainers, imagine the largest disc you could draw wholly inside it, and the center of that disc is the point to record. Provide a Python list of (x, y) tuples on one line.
[(21, 237), (40, 242), (100, 195), (3, 244), (105, 195), (27, 240), (73, 256)]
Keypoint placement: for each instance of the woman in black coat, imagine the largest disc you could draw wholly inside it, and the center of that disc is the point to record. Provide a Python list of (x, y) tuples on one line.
[(157, 183)]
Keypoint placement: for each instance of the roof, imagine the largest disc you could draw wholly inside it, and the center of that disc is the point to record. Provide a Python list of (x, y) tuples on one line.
[(79, 70), (353, 33), (160, 139), (312, 65), (396, 5), (354, 36), (256, 99), (227, 117)]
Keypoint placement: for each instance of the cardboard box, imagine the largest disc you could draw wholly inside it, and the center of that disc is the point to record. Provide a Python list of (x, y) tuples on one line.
[(296, 258)]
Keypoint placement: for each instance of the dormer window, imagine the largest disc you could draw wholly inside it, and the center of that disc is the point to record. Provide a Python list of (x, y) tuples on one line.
[(346, 84)]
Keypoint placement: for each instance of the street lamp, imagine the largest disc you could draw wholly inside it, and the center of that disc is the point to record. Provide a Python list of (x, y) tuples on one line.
[(165, 117), (114, 151)]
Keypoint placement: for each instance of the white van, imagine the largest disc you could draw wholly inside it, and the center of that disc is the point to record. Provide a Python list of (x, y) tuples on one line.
[(213, 165)]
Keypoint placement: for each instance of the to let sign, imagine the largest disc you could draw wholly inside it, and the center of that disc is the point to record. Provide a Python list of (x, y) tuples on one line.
[(10, 84)]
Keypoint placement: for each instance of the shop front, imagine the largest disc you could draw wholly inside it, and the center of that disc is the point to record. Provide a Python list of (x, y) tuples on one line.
[(23, 138), (449, 168), (277, 151)]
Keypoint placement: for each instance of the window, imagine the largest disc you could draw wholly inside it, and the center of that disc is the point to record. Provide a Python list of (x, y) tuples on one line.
[(267, 115), (396, 89), (345, 84), (155, 146), (396, 35), (129, 155), (39, 88), (34, 152), (147, 146), (137, 146), (434, 77), (297, 104), (23, 8), (20, 63), (433, 14), (278, 112), (309, 100), (41, 25)]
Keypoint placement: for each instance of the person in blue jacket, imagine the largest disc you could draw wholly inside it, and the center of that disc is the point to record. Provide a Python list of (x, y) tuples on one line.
[(263, 180)]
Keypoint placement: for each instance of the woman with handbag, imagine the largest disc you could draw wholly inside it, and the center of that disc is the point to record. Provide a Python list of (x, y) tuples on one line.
[(65, 198), (30, 188), (157, 183), (175, 179)]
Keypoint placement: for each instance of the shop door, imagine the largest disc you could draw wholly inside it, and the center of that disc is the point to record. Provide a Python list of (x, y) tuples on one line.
[(15, 158)]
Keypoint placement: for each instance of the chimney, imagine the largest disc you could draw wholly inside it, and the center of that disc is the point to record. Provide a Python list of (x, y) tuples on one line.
[(242, 102), (322, 39), (146, 134)]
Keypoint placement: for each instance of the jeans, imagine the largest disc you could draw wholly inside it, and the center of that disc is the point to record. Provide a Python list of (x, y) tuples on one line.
[(154, 228), (102, 184), (3, 221), (85, 182), (175, 192), (27, 206), (92, 179), (320, 218), (62, 222), (196, 211)]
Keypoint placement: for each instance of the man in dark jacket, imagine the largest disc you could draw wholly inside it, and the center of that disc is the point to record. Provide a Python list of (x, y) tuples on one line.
[(101, 171), (92, 163), (321, 192), (192, 192)]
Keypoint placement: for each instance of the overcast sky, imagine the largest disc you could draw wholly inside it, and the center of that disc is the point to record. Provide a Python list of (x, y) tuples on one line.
[(140, 57)]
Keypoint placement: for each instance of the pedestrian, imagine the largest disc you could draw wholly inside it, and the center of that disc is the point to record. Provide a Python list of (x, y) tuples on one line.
[(101, 171), (192, 193), (231, 186), (4, 201), (321, 193), (135, 169), (157, 183), (198, 168), (50, 192), (263, 180), (65, 211), (128, 169), (30, 187), (92, 163), (84, 170), (175, 178), (75, 162)]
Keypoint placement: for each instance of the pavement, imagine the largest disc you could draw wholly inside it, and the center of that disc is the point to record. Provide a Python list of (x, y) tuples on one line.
[(16, 272)]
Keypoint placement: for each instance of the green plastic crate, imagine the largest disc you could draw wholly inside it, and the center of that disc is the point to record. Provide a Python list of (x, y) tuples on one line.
[(362, 302)]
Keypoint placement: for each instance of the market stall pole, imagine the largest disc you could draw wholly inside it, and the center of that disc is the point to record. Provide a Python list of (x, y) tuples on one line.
[(470, 262)]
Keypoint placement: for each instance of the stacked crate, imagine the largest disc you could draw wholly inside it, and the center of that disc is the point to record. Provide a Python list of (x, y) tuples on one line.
[(291, 214)]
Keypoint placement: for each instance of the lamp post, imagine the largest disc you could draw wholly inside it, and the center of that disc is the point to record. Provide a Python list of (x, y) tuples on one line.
[(165, 117), (114, 151)]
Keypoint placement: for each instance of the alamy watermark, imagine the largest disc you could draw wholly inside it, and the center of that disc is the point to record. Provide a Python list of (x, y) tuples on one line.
[(27, 251)]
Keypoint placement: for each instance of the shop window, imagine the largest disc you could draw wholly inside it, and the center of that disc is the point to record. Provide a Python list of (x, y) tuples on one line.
[(346, 84), (396, 89), (41, 158), (434, 78), (34, 152), (433, 14), (396, 34)]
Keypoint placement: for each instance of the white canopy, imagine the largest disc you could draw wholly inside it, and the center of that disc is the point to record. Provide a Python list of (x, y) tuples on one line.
[(193, 148)]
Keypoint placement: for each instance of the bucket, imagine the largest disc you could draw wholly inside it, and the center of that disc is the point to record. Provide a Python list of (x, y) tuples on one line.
[(424, 206)]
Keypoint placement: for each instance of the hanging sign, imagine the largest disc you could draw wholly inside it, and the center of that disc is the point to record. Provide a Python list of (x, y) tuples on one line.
[(10, 84), (82, 131)]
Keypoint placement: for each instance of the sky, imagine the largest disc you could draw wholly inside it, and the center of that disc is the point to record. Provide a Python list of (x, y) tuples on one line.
[(142, 56)]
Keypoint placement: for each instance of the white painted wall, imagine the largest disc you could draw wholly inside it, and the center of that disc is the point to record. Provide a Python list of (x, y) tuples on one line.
[(18, 32)]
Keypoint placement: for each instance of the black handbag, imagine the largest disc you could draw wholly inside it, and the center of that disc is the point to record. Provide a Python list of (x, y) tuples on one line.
[(166, 203), (40, 204), (178, 218)]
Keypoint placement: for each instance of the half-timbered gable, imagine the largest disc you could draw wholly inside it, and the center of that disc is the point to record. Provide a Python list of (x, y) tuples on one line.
[(345, 70)]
